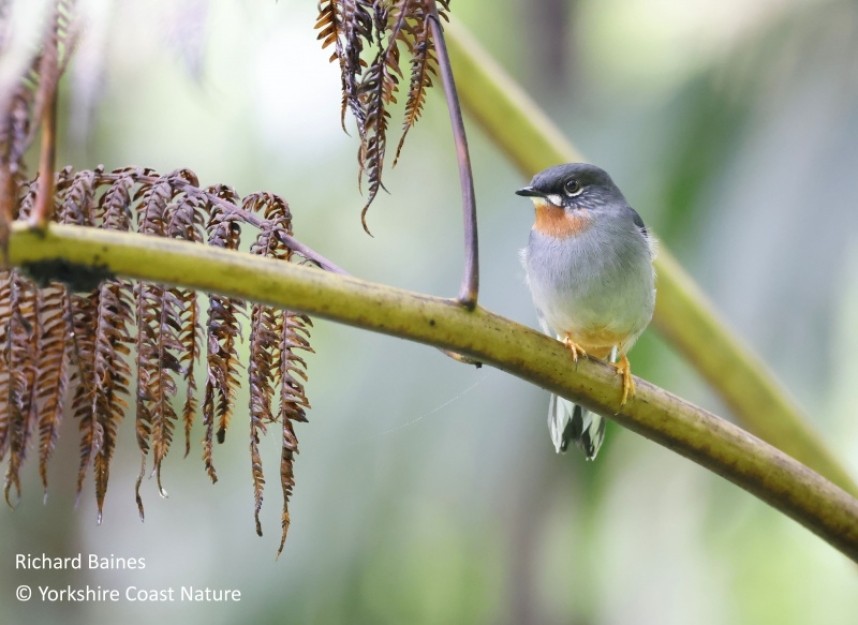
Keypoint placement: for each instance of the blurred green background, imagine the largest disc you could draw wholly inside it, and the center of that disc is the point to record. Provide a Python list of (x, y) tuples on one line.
[(427, 491)]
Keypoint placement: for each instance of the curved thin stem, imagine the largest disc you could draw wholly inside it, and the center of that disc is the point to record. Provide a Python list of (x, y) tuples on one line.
[(469, 290), (714, 443)]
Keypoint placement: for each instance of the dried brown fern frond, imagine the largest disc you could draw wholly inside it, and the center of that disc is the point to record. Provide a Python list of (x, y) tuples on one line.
[(265, 327), (17, 104), (64, 333), (188, 222), (275, 337), (52, 372), (30, 72), (366, 36), (22, 344), (294, 337), (416, 34), (223, 334), (158, 345)]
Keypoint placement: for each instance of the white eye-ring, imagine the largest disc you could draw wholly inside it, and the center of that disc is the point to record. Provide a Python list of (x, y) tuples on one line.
[(572, 187)]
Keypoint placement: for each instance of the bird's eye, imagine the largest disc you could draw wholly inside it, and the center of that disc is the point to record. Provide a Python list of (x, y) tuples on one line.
[(572, 187)]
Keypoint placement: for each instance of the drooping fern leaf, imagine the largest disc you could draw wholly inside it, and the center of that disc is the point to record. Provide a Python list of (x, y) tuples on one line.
[(366, 36), (52, 371), (67, 333), (157, 342), (77, 340), (188, 223), (275, 337), (294, 337), (416, 35), (22, 341), (223, 334), (265, 328)]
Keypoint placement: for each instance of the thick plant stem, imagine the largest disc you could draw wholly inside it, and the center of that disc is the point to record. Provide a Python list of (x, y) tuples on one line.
[(712, 442), (683, 315)]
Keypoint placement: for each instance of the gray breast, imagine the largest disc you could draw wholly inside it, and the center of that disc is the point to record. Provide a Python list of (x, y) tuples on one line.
[(601, 277)]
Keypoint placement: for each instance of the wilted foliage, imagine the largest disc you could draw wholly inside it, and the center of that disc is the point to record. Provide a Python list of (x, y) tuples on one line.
[(366, 36), (70, 337), (80, 341)]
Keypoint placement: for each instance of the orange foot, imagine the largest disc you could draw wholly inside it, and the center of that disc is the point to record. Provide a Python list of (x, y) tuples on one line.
[(624, 369), (573, 347)]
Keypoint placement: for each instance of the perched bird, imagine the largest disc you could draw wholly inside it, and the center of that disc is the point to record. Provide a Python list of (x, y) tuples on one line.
[(589, 269)]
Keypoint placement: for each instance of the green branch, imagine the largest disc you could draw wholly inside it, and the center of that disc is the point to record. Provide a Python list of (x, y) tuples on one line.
[(710, 441), (683, 315)]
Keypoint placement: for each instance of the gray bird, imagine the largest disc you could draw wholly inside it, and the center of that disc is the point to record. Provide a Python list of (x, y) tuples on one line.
[(589, 269)]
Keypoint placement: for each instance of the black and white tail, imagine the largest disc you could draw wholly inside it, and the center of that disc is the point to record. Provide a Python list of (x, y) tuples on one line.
[(569, 422)]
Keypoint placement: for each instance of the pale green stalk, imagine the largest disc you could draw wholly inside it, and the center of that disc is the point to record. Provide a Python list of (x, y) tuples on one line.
[(710, 441)]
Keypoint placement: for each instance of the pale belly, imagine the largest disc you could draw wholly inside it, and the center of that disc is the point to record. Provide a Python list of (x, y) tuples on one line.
[(597, 296)]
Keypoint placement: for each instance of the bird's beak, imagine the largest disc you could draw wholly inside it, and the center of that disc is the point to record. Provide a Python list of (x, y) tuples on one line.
[(529, 192)]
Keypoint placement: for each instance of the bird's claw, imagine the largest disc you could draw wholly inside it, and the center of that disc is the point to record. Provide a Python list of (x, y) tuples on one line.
[(572, 346), (624, 369)]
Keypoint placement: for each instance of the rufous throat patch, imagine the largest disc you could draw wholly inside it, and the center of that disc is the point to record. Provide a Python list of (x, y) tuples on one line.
[(556, 222)]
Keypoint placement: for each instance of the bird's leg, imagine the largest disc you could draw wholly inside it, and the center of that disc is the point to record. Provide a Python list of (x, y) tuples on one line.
[(624, 369), (573, 347)]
